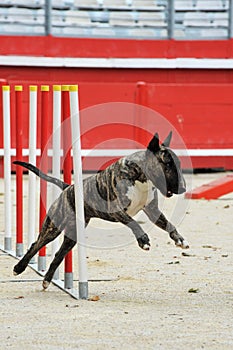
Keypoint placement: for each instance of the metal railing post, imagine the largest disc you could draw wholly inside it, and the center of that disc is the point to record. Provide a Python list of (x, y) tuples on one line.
[(230, 19), (171, 19), (48, 17)]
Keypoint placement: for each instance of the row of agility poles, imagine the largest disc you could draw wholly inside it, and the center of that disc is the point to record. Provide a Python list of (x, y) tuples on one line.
[(65, 105)]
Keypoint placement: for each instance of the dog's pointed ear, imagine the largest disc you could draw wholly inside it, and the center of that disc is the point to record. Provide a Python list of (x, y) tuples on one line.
[(167, 141), (153, 145)]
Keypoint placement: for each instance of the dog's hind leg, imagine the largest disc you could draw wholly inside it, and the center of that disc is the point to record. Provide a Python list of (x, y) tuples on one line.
[(47, 234), (66, 246), (70, 239), (157, 217)]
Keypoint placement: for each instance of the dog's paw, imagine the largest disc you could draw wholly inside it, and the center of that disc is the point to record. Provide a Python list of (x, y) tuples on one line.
[(144, 242), (146, 247), (179, 240), (182, 244), (45, 284), (17, 270)]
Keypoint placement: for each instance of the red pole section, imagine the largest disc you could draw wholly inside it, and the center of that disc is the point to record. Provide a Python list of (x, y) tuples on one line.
[(140, 114), (66, 134), (67, 169), (19, 170), (3, 82), (141, 93), (43, 166), (6, 114)]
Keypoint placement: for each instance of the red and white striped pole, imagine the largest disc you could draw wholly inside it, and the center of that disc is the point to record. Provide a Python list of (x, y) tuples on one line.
[(32, 160), (19, 170), (78, 188), (67, 169), (56, 163), (7, 166), (141, 99), (43, 166)]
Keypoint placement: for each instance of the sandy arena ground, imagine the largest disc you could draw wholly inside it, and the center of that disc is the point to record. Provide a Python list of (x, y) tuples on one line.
[(159, 299)]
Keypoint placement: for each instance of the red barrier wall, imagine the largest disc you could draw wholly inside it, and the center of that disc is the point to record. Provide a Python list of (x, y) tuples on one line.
[(201, 113), (198, 102), (88, 47)]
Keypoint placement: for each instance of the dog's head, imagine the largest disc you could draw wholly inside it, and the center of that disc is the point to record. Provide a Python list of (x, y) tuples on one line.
[(163, 167)]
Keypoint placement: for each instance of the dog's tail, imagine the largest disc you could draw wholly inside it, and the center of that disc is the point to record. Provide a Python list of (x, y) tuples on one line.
[(42, 175)]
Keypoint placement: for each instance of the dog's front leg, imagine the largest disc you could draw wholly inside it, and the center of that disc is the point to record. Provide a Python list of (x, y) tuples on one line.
[(141, 236), (157, 217)]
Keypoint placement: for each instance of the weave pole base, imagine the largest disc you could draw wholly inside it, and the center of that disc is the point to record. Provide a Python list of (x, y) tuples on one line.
[(68, 280), (213, 190), (7, 243), (41, 263), (19, 249), (83, 290), (58, 283)]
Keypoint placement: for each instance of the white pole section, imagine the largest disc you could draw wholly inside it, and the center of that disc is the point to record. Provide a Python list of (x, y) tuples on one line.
[(78, 188), (7, 166), (56, 165), (32, 159)]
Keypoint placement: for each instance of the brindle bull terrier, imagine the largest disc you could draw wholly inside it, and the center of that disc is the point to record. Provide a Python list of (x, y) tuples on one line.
[(115, 194)]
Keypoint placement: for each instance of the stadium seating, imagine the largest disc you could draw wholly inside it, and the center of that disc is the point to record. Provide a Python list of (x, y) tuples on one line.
[(153, 19), (145, 4), (209, 5), (122, 18), (111, 4), (74, 17)]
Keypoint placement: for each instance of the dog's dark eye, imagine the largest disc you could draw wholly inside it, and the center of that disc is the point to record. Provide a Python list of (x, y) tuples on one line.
[(168, 165), (167, 161)]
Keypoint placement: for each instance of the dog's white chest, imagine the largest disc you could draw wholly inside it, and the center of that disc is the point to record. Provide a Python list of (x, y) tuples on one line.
[(140, 195)]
